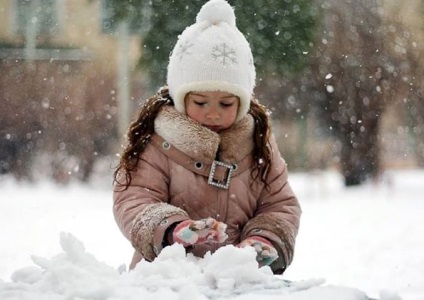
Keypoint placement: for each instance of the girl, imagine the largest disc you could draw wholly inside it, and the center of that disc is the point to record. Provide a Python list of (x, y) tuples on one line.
[(201, 167)]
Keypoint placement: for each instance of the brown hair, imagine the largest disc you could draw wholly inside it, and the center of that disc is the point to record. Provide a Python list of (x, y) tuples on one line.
[(141, 130)]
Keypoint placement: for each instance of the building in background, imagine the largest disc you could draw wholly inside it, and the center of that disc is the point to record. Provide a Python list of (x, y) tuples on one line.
[(68, 79)]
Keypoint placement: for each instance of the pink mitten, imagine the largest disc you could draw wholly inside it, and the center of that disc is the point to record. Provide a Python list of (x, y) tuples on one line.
[(266, 253), (192, 232)]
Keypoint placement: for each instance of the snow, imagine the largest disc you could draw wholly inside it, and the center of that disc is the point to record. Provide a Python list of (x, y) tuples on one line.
[(61, 242)]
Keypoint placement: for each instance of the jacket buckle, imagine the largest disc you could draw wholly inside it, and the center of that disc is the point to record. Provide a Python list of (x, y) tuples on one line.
[(223, 182)]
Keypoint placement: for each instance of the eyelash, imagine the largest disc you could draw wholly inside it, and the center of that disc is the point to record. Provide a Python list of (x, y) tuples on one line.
[(199, 103), (227, 104), (222, 104)]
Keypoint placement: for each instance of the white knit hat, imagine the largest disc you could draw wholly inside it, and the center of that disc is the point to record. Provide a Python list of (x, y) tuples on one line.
[(212, 55)]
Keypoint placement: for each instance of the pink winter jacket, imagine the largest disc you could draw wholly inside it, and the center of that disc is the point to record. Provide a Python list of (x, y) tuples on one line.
[(170, 184)]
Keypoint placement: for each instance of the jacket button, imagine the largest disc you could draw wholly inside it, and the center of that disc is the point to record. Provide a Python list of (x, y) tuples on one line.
[(166, 145)]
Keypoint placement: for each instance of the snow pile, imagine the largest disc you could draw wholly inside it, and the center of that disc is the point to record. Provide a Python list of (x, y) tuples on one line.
[(230, 273), (368, 237)]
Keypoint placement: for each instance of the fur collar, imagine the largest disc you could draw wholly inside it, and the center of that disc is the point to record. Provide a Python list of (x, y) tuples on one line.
[(202, 144)]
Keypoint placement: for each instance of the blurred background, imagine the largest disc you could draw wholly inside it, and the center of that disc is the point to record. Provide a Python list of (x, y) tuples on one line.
[(343, 80)]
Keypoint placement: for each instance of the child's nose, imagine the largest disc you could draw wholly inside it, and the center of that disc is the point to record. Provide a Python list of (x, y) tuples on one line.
[(213, 114)]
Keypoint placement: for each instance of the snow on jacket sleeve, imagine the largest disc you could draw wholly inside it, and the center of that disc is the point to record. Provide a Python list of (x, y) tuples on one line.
[(142, 211), (278, 213)]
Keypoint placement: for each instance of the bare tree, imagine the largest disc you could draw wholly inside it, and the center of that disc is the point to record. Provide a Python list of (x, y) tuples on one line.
[(359, 75)]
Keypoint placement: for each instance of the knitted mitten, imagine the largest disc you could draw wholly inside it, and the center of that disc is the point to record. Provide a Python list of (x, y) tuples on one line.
[(266, 253), (192, 232)]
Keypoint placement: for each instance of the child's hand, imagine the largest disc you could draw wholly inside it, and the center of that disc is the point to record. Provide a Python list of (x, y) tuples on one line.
[(192, 232), (266, 253)]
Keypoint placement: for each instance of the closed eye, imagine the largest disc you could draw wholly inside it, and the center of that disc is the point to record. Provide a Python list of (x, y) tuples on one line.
[(227, 104), (199, 103)]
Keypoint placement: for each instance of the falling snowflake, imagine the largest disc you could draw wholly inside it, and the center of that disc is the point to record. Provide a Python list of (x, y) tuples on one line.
[(224, 54), (183, 49)]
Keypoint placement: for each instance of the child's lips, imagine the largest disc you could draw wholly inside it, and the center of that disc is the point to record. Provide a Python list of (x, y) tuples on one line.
[(214, 128)]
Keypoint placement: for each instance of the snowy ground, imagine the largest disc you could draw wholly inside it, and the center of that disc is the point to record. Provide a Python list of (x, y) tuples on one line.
[(367, 238)]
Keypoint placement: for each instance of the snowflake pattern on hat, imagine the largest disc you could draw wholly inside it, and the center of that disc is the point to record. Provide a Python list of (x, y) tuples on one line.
[(224, 54), (183, 49)]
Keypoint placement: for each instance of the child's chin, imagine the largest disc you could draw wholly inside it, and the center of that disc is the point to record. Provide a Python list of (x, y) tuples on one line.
[(216, 129)]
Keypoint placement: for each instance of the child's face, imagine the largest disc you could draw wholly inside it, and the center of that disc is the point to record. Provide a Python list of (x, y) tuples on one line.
[(215, 110)]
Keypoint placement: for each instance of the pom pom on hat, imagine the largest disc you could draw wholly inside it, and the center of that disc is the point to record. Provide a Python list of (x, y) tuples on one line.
[(212, 55), (216, 11)]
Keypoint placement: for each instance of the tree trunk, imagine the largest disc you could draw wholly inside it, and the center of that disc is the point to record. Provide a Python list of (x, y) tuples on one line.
[(360, 152)]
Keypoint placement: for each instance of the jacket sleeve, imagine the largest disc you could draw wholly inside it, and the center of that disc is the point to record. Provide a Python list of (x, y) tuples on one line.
[(278, 213), (142, 211)]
